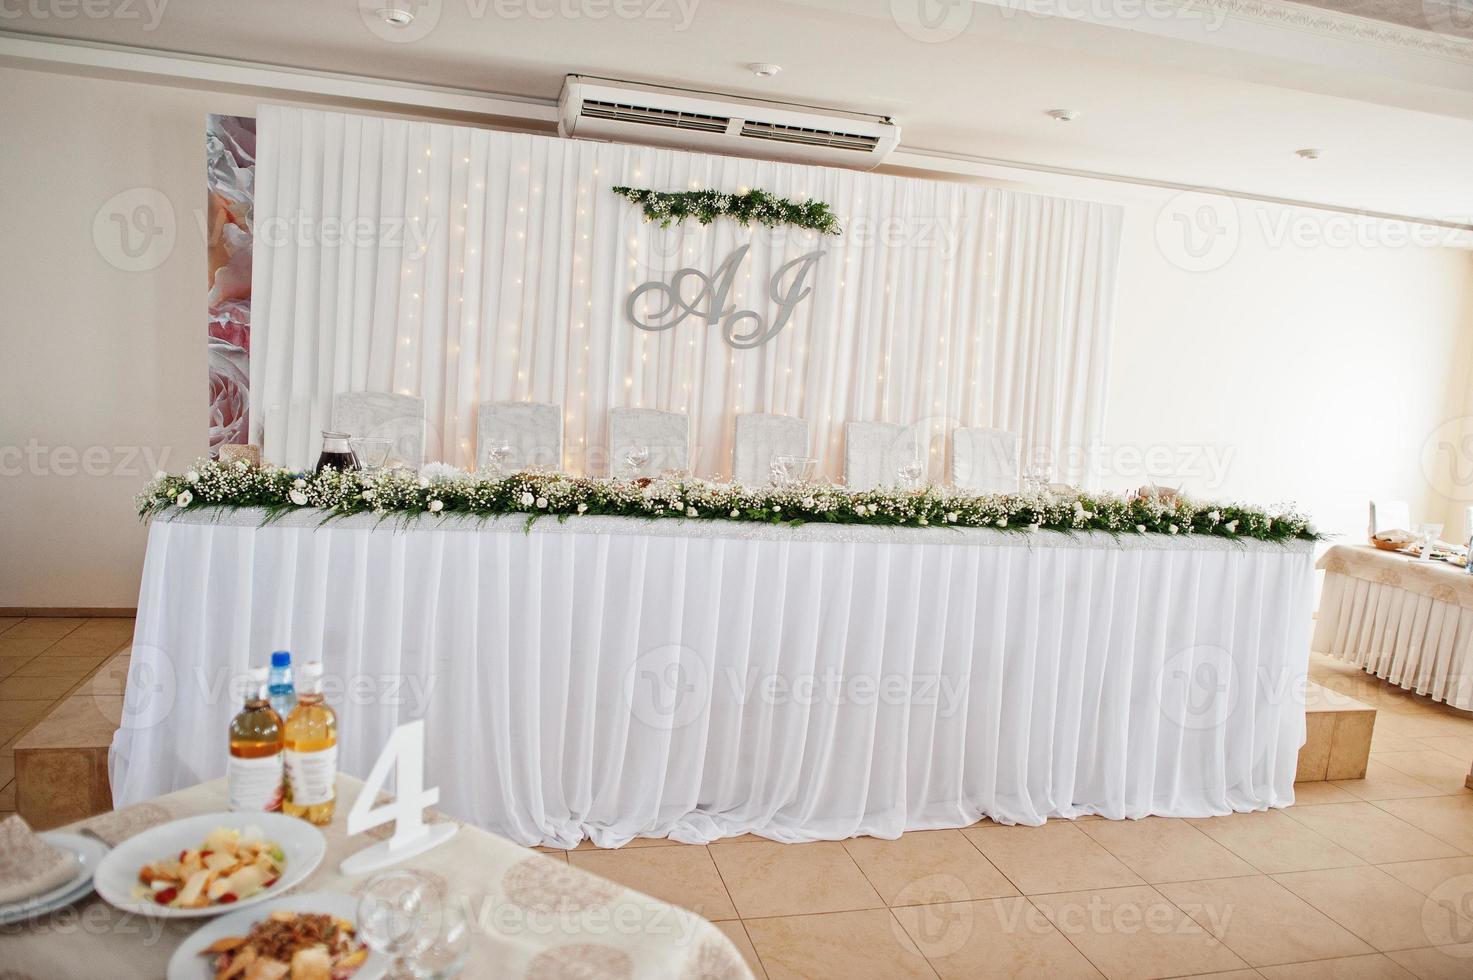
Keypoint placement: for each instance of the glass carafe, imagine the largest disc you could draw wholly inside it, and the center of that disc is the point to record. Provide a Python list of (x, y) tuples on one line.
[(336, 453)]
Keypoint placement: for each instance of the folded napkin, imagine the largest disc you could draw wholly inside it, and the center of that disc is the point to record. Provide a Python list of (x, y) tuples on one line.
[(28, 865)]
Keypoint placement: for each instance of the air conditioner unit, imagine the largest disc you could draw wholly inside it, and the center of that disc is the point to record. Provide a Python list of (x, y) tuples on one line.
[(604, 109)]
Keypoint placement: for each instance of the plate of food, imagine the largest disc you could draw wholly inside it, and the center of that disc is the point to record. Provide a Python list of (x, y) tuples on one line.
[(206, 865), (311, 936)]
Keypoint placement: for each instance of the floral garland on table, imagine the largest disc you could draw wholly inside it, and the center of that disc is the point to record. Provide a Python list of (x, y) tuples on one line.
[(749, 206), (442, 489)]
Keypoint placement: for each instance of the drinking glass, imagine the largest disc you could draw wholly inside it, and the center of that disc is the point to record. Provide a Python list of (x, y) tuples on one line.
[(634, 459), (371, 452), (496, 459), (449, 945), (910, 472), (799, 468), (393, 913)]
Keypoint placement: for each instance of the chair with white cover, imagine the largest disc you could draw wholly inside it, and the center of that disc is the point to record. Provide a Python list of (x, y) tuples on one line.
[(984, 460), (875, 451), (397, 418), (665, 434), (760, 437), (1390, 515), (533, 431)]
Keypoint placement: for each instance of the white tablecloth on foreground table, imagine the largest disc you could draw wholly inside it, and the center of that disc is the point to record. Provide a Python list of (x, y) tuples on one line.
[(533, 916), (612, 678), (1406, 621)]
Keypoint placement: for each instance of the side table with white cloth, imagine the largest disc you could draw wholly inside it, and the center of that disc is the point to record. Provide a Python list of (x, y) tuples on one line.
[(533, 916), (612, 677), (1406, 621)]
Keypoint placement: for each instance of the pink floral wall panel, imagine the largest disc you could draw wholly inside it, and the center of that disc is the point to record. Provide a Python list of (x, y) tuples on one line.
[(230, 158)]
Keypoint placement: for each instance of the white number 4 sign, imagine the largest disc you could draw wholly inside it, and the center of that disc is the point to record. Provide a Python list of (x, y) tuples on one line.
[(406, 753)]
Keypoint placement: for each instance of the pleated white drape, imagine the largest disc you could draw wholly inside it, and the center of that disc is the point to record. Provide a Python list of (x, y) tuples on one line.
[(465, 265), (610, 678)]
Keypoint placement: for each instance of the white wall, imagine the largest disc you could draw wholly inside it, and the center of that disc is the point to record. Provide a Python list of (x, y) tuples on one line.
[(1311, 366), (1321, 371)]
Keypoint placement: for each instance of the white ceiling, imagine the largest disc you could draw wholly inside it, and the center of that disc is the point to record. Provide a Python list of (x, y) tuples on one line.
[(1218, 94)]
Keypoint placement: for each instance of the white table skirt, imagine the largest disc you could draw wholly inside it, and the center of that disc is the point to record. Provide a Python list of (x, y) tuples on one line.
[(612, 678), (1415, 641)]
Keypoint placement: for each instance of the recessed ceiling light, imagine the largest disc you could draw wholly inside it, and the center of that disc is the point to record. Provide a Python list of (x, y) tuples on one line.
[(763, 69), (396, 15), (1063, 115), (1308, 153)]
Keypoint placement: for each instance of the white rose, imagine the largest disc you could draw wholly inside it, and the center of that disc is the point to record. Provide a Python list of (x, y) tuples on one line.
[(1214, 516), (1173, 529), (542, 502), (436, 506), (690, 512), (1002, 522), (183, 499), (735, 512), (192, 476), (582, 508), (776, 509), (242, 465), (1232, 527), (299, 483), (298, 497), (366, 495), (528, 499), (1140, 529), (923, 522), (160, 475), (424, 483), (952, 517)]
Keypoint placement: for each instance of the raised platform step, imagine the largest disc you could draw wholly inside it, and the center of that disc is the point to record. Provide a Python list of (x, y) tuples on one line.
[(1337, 743), (61, 763)]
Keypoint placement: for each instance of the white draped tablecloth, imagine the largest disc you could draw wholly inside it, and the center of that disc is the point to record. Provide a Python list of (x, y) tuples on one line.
[(1406, 621), (611, 678)]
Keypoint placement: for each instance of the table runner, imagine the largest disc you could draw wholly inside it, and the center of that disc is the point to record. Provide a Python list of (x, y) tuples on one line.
[(534, 916), (611, 678), (1406, 621)]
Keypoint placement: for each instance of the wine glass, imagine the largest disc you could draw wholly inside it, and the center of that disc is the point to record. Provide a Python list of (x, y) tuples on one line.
[(449, 944), (496, 459), (371, 452), (777, 470), (634, 459), (1430, 533), (910, 472), (392, 915)]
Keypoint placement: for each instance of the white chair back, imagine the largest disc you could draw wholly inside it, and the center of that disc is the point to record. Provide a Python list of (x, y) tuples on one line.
[(397, 418), (985, 460), (875, 451), (1390, 515), (760, 437), (533, 430), (665, 434)]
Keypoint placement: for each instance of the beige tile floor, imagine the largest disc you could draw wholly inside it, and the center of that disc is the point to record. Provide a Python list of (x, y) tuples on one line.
[(1362, 878)]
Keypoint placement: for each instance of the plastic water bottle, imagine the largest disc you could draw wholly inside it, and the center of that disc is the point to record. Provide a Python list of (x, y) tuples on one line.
[(283, 693)]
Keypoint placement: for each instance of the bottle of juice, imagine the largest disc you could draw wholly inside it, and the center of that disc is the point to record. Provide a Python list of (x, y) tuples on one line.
[(311, 751), (254, 772), (283, 694)]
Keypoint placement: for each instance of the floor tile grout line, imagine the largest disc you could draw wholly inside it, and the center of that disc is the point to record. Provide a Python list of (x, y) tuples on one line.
[(895, 923)]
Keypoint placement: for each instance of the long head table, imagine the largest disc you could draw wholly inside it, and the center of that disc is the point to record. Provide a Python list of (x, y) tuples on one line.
[(532, 916), (610, 677)]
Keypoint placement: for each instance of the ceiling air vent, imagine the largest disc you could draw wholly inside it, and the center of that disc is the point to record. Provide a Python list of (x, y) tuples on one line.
[(603, 109), (641, 115)]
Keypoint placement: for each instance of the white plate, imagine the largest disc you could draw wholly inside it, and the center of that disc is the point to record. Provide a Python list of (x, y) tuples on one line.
[(89, 853), (117, 875), (188, 964)]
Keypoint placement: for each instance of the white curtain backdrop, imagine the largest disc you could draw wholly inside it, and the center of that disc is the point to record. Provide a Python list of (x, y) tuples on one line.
[(466, 265)]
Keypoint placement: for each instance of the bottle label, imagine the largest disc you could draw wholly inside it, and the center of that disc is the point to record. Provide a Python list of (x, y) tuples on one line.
[(255, 784), (311, 775)]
